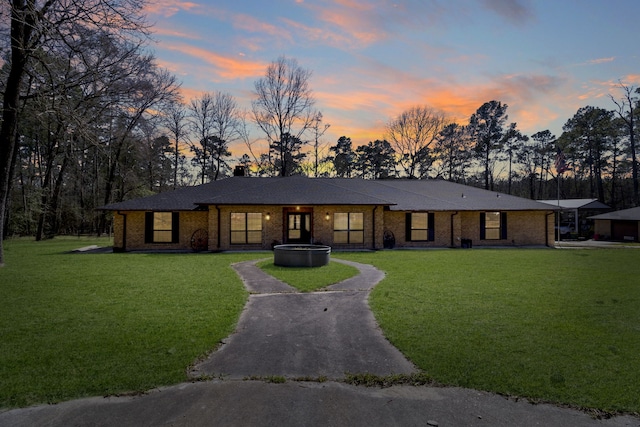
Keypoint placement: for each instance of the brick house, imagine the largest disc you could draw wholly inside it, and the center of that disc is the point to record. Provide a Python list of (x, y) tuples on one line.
[(243, 213)]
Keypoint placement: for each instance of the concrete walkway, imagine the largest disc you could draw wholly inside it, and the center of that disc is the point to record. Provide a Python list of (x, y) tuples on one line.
[(283, 332), (323, 334)]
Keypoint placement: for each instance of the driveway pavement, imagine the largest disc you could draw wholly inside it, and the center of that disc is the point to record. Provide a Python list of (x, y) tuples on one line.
[(324, 334)]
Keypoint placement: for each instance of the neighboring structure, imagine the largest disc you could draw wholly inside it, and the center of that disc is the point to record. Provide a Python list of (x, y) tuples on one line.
[(618, 225), (574, 216), (243, 213)]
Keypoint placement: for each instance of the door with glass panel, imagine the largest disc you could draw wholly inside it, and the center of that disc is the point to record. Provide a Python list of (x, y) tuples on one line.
[(299, 227)]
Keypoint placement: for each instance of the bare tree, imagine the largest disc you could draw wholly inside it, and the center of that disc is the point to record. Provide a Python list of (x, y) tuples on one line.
[(282, 109), (627, 108), (201, 112), (217, 121), (412, 135), (227, 128), (318, 129), (176, 123), (36, 28)]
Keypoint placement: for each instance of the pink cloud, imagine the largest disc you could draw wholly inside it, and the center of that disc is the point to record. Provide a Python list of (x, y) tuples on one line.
[(162, 31), (254, 25), (169, 8), (225, 67), (318, 34), (349, 23)]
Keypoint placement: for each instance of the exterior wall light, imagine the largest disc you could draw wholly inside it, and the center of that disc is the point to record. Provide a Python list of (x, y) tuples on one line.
[(268, 217), (326, 216)]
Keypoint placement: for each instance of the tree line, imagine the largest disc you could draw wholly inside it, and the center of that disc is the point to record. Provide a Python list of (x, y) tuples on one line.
[(597, 148), (90, 118)]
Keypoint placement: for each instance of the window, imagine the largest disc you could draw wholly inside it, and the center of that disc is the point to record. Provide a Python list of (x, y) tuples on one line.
[(419, 227), (493, 225), (348, 227), (246, 228), (161, 227)]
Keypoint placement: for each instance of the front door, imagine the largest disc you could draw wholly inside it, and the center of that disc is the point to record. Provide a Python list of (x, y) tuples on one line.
[(298, 227)]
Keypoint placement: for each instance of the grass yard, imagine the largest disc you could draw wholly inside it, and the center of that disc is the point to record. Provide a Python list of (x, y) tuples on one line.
[(308, 280), (553, 325), (75, 325)]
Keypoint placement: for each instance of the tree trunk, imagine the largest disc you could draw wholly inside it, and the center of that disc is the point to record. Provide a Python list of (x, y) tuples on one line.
[(486, 168), (634, 160), (21, 29)]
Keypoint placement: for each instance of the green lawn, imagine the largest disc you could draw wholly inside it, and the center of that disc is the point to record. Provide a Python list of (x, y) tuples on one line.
[(309, 280), (75, 325), (553, 325)]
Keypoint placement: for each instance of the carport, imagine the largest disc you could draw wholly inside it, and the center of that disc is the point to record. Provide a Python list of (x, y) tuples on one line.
[(575, 214)]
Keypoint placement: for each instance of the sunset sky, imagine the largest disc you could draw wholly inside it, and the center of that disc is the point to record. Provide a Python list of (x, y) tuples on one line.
[(372, 59)]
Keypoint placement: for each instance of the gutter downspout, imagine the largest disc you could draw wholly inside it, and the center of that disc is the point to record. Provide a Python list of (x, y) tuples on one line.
[(218, 209), (374, 226), (124, 231), (452, 236), (546, 229)]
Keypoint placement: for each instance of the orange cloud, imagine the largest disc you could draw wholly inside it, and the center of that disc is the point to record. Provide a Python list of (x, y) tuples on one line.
[(351, 24), (369, 108), (225, 67), (356, 26), (189, 93), (632, 79)]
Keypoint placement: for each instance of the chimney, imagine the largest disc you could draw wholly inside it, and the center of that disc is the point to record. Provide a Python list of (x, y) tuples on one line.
[(238, 171)]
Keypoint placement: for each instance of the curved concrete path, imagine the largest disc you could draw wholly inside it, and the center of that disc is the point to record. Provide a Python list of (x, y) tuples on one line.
[(283, 332)]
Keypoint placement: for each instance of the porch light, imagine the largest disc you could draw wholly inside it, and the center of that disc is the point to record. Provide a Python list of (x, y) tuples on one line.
[(326, 216), (268, 217)]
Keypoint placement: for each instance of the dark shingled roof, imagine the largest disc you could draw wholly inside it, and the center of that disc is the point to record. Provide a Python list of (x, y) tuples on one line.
[(632, 214), (401, 195), (586, 204)]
